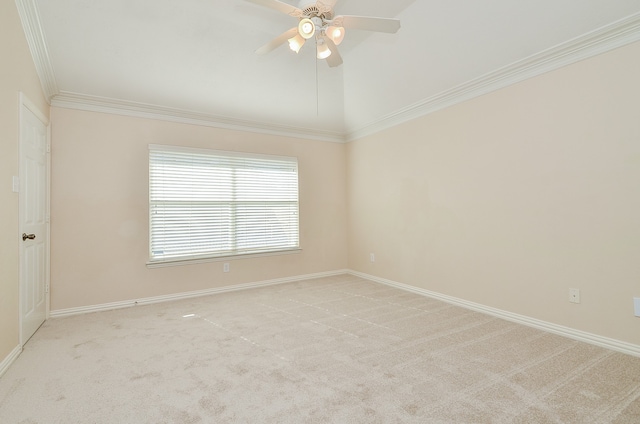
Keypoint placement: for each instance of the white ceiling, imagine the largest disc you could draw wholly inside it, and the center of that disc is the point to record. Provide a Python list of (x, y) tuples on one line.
[(196, 57)]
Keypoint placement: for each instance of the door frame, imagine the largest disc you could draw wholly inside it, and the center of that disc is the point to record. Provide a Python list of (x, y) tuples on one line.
[(26, 104)]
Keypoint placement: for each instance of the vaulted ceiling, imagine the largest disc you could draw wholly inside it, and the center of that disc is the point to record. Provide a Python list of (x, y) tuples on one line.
[(194, 59)]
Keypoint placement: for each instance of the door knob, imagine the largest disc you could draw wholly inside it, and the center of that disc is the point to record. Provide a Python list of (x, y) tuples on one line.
[(28, 236)]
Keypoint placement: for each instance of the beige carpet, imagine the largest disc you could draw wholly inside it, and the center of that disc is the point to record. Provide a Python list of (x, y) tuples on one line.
[(332, 350)]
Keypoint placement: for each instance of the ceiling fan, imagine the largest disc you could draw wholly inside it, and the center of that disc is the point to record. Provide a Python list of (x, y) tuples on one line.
[(316, 18)]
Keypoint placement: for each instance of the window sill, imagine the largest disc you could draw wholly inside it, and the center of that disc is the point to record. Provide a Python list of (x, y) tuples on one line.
[(179, 262)]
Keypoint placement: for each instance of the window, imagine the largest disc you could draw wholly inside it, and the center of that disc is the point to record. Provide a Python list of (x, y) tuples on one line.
[(207, 204)]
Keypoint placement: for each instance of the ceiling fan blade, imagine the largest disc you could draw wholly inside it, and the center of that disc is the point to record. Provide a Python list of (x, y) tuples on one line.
[(278, 41), (368, 23), (334, 59), (279, 6)]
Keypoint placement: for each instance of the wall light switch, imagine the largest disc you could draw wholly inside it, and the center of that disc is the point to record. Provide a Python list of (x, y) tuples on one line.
[(225, 267), (636, 306), (372, 257), (15, 184)]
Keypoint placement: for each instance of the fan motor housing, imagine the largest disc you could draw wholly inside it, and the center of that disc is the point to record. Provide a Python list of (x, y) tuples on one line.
[(311, 10)]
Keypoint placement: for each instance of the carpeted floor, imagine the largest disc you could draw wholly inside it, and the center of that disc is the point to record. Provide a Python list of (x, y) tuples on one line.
[(332, 350)]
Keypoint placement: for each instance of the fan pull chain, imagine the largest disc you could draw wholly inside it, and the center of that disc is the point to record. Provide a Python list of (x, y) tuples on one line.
[(317, 90)]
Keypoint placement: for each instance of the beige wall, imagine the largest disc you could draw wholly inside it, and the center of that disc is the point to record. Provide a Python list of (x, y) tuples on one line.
[(506, 200), (99, 209), (17, 74), (512, 198)]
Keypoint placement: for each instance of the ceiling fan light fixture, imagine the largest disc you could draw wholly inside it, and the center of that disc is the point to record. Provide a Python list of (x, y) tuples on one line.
[(335, 34), (296, 42), (317, 18), (323, 50), (306, 28)]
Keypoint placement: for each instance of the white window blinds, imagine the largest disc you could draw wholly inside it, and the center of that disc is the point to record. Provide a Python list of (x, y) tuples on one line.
[(206, 203)]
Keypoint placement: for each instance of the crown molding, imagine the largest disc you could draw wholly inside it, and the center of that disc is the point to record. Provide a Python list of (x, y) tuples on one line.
[(609, 37), (89, 103), (32, 27)]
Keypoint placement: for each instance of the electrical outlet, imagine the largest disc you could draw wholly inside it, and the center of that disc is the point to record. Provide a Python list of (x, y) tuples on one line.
[(574, 295), (225, 267), (15, 184), (372, 257)]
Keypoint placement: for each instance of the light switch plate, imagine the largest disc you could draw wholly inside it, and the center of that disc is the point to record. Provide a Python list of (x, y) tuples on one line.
[(636, 306), (15, 184)]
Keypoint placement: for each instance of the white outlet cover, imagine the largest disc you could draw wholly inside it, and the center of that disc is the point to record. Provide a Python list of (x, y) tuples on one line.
[(636, 306), (574, 295)]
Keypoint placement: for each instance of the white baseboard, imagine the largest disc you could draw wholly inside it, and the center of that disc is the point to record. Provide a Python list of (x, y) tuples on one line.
[(58, 313), (6, 362), (608, 343), (612, 344)]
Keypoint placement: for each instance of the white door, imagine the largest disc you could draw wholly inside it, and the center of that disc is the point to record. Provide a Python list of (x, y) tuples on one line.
[(34, 226)]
